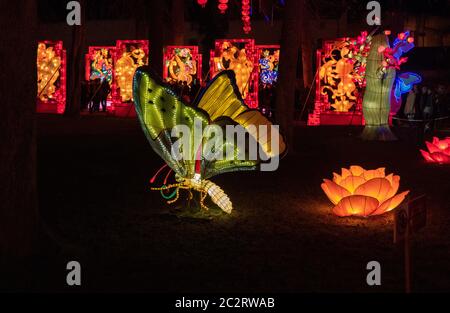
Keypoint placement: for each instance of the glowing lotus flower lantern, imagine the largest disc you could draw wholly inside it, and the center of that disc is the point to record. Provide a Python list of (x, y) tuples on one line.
[(360, 192), (438, 151)]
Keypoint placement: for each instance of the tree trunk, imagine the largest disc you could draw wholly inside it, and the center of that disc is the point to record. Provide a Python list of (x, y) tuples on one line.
[(177, 17), (306, 45), (18, 83), (157, 34), (377, 96), (290, 43), (75, 68), (141, 14)]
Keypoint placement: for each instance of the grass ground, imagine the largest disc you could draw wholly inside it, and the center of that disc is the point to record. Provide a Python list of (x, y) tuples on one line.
[(93, 180)]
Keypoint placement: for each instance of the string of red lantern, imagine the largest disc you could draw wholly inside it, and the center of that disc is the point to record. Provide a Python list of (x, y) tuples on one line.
[(223, 6), (245, 11), (202, 3), (246, 16)]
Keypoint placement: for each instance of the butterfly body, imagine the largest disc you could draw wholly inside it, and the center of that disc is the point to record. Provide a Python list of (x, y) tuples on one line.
[(205, 187)]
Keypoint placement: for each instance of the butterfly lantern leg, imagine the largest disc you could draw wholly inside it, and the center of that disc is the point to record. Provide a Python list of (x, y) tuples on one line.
[(205, 188)]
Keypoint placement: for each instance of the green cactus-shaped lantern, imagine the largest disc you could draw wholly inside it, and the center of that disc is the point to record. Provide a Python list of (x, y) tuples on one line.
[(377, 96)]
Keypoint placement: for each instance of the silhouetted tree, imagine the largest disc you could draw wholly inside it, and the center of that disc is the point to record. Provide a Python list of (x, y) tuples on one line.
[(75, 68), (177, 21), (18, 204), (157, 32), (290, 45)]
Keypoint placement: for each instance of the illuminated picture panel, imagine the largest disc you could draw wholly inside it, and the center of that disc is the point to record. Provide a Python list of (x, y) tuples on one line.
[(240, 56), (100, 63), (130, 54), (337, 77), (51, 77), (339, 85), (182, 64), (268, 59)]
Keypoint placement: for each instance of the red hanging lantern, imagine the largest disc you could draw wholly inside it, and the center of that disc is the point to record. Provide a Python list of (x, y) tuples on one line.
[(223, 6), (246, 16), (202, 3)]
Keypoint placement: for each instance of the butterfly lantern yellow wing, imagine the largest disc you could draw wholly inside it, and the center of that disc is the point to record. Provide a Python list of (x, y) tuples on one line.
[(220, 105)]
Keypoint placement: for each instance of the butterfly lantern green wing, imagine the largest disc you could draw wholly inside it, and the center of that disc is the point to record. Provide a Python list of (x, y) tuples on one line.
[(160, 111)]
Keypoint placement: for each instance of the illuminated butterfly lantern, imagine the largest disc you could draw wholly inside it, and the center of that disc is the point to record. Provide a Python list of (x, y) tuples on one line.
[(220, 105)]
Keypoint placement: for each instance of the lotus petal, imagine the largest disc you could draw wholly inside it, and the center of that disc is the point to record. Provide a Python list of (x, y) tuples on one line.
[(345, 173), (378, 188), (426, 156), (356, 205), (379, 172), (356, 170), (337, 178), (440, 157), (395, 184), (390, 203), (442, 145), (435, 140), (432, 147), (352, 182), (333, 191)]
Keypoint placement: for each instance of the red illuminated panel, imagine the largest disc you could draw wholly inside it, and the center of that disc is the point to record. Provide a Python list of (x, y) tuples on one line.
[(51, 77), (130, 54), (100, 63), (182, 64), (338, 93), (239, 55)]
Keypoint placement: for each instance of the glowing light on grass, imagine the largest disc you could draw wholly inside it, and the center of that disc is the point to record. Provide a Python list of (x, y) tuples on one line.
[(360, 192), (438, 151)]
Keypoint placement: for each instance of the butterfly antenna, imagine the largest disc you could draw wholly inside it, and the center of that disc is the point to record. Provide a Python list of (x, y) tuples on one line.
[(167, 176), (152, 180)]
